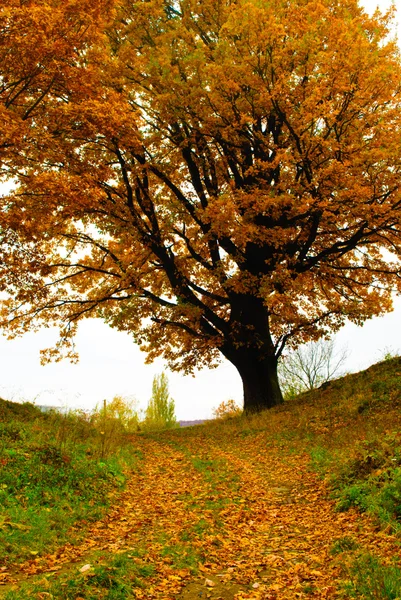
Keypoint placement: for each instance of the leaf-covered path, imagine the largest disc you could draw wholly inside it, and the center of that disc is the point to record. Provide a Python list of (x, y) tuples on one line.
[(216, 517)]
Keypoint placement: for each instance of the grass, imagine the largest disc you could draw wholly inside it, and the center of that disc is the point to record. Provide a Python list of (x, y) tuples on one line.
[(112, 578), (344, 544), (368, 579), (57, 474), (53, 481), (182, 555), (356, 443)]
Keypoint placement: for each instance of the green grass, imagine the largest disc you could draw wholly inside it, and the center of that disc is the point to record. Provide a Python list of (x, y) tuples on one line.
[(183, 555), (366, 475), (344, 544), (368, 579), (52, 479), (109, 577)]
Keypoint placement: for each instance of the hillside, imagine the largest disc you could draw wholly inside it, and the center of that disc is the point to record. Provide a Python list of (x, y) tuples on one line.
[(303, 501)]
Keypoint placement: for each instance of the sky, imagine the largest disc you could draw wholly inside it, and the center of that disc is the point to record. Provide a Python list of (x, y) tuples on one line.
[(111, 364)]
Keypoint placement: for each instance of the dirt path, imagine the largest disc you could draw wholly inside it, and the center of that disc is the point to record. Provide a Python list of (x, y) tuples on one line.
[(253, 518)]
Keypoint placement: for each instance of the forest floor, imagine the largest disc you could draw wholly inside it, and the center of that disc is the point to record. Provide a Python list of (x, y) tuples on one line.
[(230, 510)]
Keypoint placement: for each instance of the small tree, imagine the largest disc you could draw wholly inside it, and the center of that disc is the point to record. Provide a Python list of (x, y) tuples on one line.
[(160, 413), (310, 366)]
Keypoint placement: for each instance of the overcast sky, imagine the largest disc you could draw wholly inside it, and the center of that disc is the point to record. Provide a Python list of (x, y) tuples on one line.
[(111, 364)]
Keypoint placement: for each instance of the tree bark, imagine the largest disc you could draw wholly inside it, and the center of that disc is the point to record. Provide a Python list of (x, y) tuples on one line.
[(259, 379), (251, 350)]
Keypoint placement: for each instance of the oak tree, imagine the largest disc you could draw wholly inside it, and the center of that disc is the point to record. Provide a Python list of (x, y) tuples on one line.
[(217, 177)]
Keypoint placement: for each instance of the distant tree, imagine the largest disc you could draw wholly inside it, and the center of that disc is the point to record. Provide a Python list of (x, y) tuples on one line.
[(218, 178), (160, 413), (310, 366)]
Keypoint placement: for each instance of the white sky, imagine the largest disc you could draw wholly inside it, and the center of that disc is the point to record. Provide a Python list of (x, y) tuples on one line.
[(111, 364)]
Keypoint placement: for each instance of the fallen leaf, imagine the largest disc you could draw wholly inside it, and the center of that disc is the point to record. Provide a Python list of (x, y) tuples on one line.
[(85, 568)]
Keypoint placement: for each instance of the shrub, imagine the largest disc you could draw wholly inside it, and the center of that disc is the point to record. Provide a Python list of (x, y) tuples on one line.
[(113, 421), (227, 410)]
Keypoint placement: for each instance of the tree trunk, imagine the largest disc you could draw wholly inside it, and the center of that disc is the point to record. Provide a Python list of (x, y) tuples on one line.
[(259, 378), (251, 350)]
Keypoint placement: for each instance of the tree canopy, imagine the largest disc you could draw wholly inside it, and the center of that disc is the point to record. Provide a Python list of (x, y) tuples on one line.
[(212, 176)]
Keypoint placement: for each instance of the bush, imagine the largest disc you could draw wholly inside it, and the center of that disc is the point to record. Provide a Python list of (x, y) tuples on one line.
[(227, 410), (112, 422)]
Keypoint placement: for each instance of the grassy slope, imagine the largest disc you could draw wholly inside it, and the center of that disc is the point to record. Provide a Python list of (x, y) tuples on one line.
[(202, 479), (53, 476), (351, 427), (356, 441)]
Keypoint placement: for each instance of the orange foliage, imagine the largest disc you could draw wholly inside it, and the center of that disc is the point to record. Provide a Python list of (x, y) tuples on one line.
[(209, 176), (226, 410)]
